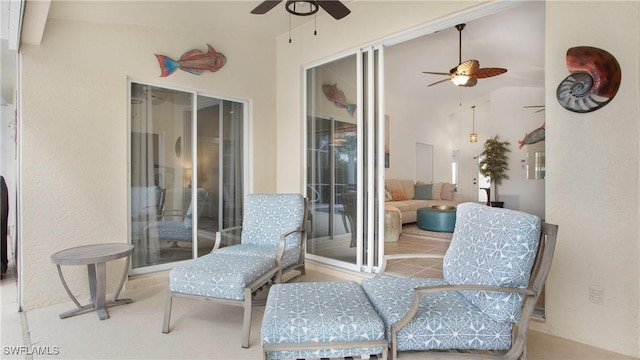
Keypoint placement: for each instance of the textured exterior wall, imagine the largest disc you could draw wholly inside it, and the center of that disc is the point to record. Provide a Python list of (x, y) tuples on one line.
[(74, 133), (592, 182)]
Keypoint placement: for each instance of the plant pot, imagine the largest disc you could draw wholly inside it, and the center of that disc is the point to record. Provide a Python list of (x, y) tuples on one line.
[(498, 204)]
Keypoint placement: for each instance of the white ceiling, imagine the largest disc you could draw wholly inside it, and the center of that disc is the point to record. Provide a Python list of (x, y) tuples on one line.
[(207, 15), (513, 38)]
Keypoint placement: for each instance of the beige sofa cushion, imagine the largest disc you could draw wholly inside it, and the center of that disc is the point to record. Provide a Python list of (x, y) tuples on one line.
[(441, 193), (405, 186), (436, 190)]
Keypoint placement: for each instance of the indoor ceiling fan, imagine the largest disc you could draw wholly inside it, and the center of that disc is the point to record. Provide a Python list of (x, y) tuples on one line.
[(466, 73), (305, 7)]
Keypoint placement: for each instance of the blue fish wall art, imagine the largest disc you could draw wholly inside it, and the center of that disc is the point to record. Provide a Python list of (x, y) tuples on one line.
[(193, 61)]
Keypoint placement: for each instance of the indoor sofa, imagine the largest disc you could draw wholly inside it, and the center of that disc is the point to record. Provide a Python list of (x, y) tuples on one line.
[(408, 197)]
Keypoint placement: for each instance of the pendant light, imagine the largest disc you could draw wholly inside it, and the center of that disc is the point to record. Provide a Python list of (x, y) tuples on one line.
[(473, 137)]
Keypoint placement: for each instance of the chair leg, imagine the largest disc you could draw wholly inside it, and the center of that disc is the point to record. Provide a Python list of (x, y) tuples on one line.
[(246, 326), (167, 311)]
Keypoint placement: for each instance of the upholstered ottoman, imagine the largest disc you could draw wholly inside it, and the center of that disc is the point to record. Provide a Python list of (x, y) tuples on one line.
[(436, 219), (321, 320)]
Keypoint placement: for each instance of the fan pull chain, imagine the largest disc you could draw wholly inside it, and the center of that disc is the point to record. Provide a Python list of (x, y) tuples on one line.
[(289, 28), (315, 24)]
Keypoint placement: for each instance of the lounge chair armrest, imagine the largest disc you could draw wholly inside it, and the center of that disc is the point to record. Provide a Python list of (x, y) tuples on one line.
[(216, 246), (283, 242), (418, 291), (386, 258)]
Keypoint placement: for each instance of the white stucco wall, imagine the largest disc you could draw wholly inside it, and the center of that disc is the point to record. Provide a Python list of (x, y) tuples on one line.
[(74, 133), (592, 182), (592, 188)]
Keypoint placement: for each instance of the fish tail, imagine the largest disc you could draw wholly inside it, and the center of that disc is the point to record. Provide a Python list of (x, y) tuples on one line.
[(167, 65), (351, 109)]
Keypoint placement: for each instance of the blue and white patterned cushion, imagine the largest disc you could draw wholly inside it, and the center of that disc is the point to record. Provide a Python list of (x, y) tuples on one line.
[(172, 230), (290, 256), (267, 216), (492, 246), (144, 201), (320, 312), (218, 276), (445, 320)]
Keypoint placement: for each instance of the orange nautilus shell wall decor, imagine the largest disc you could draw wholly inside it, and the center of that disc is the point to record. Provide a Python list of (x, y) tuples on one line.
[(594, 80)]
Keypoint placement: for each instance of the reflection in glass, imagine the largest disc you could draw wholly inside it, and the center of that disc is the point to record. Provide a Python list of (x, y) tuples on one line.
[(332, 143), (536, 162), (175, 191)]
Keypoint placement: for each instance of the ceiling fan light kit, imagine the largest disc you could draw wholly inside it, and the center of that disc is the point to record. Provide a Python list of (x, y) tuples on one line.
[(460, 80), (468, 72), (305, 8), (334, 8), (302, 8)]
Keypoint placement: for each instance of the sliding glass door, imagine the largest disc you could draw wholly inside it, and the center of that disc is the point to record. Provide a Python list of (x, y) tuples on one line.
[(343, 161), (187, 166)]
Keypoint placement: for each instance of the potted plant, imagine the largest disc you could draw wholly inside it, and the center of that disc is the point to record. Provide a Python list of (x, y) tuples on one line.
[(494, 164)]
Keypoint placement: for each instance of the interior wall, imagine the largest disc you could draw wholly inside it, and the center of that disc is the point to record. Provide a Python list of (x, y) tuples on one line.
[(409, 122), (500, 113), (599, 235), (74, 133)]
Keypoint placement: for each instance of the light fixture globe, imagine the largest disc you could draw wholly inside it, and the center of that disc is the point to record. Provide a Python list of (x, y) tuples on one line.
[(460, 80), (302, 7), (473, 137)]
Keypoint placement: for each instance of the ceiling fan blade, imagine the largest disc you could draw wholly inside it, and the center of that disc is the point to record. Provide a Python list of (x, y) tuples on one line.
[(436, 73), (439, 82), (335, 8), (487, 72), (265, 6)]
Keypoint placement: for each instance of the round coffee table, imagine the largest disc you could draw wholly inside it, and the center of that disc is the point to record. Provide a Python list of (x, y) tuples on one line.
[(437, 218)]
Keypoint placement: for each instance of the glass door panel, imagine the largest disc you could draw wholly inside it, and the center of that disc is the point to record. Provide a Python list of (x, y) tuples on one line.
[(208, 168), (332, 160), (187, 172), (220, 167), (161, 165), (345, 160)]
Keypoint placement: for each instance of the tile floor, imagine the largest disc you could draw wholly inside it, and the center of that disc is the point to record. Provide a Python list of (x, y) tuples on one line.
[(416, 244), (198, 329)]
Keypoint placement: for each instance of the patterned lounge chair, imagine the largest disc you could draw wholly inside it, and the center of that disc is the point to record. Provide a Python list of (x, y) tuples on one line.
[(497, 258), (273, 240)]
